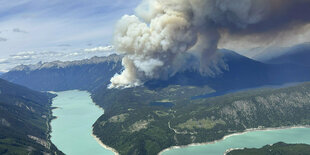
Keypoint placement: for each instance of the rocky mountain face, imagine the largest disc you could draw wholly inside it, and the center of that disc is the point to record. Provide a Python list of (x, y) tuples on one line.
[(24, 118), (85, 74)]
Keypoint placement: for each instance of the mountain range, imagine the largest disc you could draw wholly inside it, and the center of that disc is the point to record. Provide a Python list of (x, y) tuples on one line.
[(85, 74), (94, 73), (162, 107), (165, 113), (242, 73), (296, 55)]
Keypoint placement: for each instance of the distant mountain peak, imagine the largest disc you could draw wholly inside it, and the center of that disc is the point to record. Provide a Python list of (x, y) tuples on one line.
[(63, 64), (297, 55), (86, 74)]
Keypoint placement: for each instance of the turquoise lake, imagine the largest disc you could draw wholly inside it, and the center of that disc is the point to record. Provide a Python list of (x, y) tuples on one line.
[(253, 139), (76, 113), (72, 130)]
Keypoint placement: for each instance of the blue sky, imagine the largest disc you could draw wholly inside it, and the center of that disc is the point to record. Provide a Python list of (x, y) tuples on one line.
[(48, 30), (71, 29)]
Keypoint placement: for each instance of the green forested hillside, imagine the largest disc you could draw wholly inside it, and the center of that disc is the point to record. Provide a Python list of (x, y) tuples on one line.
[(24, 120), (145, 121), (275, 149)]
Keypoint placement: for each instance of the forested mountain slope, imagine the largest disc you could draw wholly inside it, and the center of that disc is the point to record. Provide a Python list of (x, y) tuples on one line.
[(24, 120), (145, 121), (275, 149)]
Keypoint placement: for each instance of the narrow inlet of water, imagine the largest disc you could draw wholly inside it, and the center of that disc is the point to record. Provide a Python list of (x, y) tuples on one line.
[(72, 130)]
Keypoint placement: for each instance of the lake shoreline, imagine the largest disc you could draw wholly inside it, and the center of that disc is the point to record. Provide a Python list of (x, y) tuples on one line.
[(232, 149), (234, 134), (103, 145), (81, 96), (97, 138)]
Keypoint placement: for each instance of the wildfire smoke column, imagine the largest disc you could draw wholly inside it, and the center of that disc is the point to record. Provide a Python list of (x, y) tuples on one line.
[(163, 34)]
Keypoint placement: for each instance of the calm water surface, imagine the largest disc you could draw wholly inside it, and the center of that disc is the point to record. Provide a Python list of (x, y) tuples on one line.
[(76, 113), (72, 130), (254, 139)]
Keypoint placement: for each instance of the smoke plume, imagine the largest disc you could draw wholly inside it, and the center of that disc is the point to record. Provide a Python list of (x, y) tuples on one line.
[(159, 40)]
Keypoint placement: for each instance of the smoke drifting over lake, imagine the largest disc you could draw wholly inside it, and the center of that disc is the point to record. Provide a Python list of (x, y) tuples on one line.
[(163, 36)]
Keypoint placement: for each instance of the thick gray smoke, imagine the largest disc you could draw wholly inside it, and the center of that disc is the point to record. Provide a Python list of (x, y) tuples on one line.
[(164, 34)]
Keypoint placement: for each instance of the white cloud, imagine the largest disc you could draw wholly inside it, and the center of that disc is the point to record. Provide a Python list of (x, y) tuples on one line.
[(33, 57), (3, 61), (100, 49), (52, 25), (24, 53)]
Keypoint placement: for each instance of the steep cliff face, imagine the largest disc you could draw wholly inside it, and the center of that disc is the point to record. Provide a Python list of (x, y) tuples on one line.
[(24, 118), (86, 74)]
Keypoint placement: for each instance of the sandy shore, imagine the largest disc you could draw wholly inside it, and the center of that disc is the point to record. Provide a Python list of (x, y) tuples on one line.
[(105, 146), (232, 149), (234, 134), (94, 136), (97, 138)]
